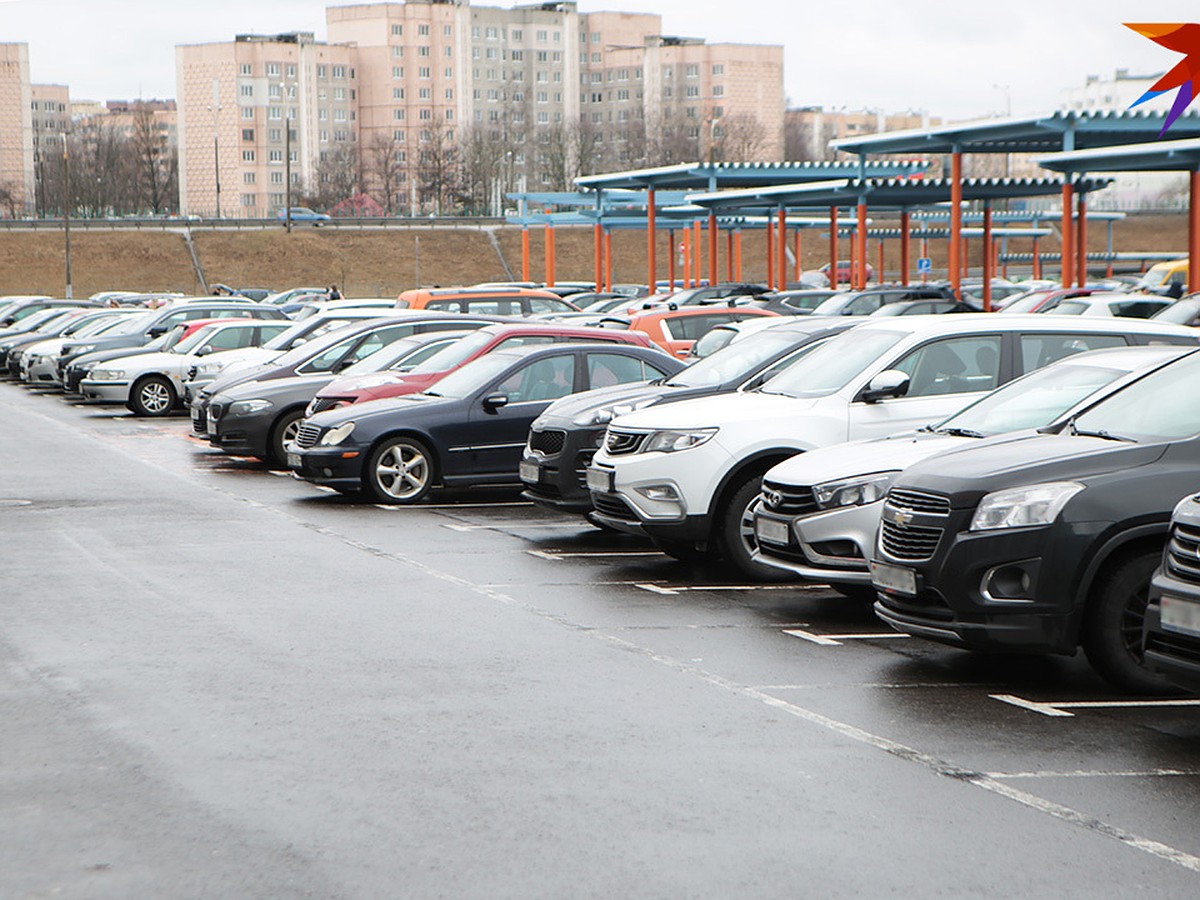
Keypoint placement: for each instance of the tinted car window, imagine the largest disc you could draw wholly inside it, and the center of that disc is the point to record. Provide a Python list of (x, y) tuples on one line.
[(863, 306), (542, 379), (692, 328), (406, 363), (327, 360), (230, 339), (522, 340), (494, 307), (545, 305), (1137, 309), (1159, 407), (1039, 350), (953, 366), (607, 369)]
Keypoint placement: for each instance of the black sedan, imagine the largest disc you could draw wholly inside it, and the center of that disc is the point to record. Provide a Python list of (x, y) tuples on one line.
[(1047, 542), (564, 438), (469, 430)]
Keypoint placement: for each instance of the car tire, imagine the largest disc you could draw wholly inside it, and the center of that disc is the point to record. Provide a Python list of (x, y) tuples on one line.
[(152, 397), (684, 551), (735, 533), (400, 470), (283, 432), (1112, 627)]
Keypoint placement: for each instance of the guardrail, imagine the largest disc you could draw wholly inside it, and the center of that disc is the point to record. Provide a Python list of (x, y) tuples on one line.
[(176, 224)]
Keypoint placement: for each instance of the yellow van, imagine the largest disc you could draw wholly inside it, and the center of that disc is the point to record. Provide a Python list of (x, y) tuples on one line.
[(1164, 274)]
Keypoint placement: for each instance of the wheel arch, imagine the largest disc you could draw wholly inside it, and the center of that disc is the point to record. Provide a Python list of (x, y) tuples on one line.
[(1112, 553), (757, 463), (424, 438)]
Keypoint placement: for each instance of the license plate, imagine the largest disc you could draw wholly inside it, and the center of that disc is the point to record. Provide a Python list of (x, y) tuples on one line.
[(600, 480), (529, 472), (211, 426), (772, 531), (293, 460), (895, 579), (195, 414), (1180, 615)]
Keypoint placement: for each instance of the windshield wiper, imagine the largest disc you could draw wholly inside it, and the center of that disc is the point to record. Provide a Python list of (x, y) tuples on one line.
[(1100, 433), (959, 432), (431, 394)]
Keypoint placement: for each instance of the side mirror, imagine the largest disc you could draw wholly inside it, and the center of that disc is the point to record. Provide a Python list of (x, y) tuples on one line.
[(204, 351), (297, 342), (157, 331), (494, 402), (760, 379), (887, 384)]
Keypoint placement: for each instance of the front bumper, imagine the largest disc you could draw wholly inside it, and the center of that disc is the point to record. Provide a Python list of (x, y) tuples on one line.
[(1170, 652), (561, 474), (329, 466), (105, 391), (830, 546), (41, 371), (1009, 591)]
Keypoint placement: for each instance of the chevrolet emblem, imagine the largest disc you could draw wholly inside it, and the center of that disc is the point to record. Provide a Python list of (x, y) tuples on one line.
[(899, 517)]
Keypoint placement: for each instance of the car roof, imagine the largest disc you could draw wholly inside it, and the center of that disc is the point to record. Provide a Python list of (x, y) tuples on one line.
[(551, 349), (663, 312), (483, 292), (507, 328), (968, 323), (1128, 359)]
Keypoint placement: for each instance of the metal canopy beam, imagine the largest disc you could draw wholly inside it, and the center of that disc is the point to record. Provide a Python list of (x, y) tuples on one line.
[(1164, 156), (695, 176)]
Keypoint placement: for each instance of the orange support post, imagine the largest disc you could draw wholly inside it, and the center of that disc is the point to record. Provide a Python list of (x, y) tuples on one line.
[(987, 257), (549, 256), (686, 251), (956, 222), (904, 247), (729, 254), (1068, 233), (1193, 231), (737, 255), (598, 240), (799, 256), (697, 252), (781, 237), (833, 247), (608, 279), (652, 271), (1037, 258), (525, 253), (714, 269), (770, 254), (671, 258), (853, 260), (1081, 271), (860, 237), (965, 256), (879, 271)]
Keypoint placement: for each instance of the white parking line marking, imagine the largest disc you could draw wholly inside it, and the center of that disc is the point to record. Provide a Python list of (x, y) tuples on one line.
[(681, 588), (1151, 773), (1059, 709), (559, 555), (835, 640), (454, 526)]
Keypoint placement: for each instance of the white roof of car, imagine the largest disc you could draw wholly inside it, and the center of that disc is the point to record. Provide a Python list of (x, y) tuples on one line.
[(965, 323)]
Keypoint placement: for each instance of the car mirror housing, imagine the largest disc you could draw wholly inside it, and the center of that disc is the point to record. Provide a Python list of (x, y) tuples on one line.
[(889, 383), (204, 351), (494, 402)]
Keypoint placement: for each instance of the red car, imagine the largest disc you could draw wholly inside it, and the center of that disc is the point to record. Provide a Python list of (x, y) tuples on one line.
[(379, 385)]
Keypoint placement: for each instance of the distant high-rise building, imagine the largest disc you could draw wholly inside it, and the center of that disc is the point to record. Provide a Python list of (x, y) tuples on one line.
[(16, 131), (50, 108)]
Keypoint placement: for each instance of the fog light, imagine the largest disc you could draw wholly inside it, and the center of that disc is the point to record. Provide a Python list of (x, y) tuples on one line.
[(1012, 581), (328, 473), (660, 492)]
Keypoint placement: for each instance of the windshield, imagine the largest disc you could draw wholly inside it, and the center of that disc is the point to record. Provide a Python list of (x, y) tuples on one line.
[(1069, 308), (734, 363), (834, 364), (1033, 401), (804, 301), (35, 320), (384, 357), (472, 376), (1160, 407), (1181, 312), (311, 348), (1028, 303), (134, 324), (455, 355), (285, 337), (195, 339)]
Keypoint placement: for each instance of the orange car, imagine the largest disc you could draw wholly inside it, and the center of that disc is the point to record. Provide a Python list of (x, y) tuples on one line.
[(675, 330), (485, 301)]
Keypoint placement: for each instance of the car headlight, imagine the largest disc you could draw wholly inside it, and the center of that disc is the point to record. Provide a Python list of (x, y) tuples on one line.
[(83, 348), (605, 414), (1035, 504), (853, 491), (107, 374), (672, 441), (335, 436), (210, 367), (246, 407)]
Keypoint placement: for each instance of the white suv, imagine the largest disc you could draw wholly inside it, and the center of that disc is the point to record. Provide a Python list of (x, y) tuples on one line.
[(687, 474)]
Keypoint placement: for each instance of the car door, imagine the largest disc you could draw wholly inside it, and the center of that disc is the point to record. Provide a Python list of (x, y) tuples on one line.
[(945, 375), (496, 437)]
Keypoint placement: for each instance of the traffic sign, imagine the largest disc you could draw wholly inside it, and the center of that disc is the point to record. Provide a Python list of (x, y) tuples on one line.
[(924, 265)]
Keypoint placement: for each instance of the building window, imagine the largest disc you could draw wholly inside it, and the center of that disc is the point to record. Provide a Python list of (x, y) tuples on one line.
[(423, 50), (339, 71), (273, 91), (447, 31), (718, 90), (398, 52), (541, 37), (246, 69), (449, 115), (424, 93), (693, 72), (398, 115), (272, 69), (322, 71), (247, 134), (491, 33), (397, 30), (397, 71), (398, 136), (322, 115), (719, 69), (693, 91), (449, 93), (247, 156), (595, 37), (449, 72), (449, 52), (339, 115), (248, 199), (247, 90), (422, 29), (247, 112), (291, 71), (247, 178), (595, 57), (425, 115), (423, 72), (276, 178)]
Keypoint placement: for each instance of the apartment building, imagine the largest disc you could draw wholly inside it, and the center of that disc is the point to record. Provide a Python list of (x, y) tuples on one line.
[(234, 100), (16, 131)]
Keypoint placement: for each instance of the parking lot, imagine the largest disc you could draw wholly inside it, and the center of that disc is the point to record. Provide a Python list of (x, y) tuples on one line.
[(220, 678)]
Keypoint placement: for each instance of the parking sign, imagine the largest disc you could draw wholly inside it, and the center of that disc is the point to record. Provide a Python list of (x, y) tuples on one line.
[(924, 265)]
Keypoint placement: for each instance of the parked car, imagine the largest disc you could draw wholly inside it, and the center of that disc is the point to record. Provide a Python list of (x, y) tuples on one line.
[(258, 426), (151, 384), (675, 330), (26, 306), (1161, 276), (304, 214), (794, 303), (1044, 300), (1171, 637), (563, 439), (922, 308), (41, 325), (320, 306), (819, 511), (1185, 311), (721, 336), (844, 270), (35, 361), (863, 303), (468, 430), (687, 474), (1045, 543), (356, 387), (486, 301), (1134, 306)]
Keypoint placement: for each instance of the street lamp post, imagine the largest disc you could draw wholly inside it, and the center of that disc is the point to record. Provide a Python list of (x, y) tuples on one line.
[(287, 169)]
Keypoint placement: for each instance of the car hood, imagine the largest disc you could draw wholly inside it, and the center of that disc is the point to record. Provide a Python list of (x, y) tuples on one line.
[(574, 405), (49, 347), (160, 360), (862, 458), (707, 412), (369, 410), (992, 464), (343, 386), (296, 385), (244, 359)]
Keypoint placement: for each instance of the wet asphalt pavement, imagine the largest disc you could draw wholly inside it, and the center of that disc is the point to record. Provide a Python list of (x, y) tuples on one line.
[(218, 681)]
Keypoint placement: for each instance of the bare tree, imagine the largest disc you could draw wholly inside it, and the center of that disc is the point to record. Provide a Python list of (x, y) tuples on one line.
[(739, 137), (9, 199), (385, 164), (338, 176), (439, 169), (155, 163), (484, 156)]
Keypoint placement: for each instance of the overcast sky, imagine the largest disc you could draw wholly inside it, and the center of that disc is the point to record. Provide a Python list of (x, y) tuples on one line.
[(956, 60)]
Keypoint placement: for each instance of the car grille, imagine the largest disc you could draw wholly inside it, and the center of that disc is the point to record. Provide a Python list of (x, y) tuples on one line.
[(307, 435), (1183, 553), (320, 404), (788, 499), (909, 542), (548, 443), (215, 411), (618, 442), (918, 501), (611, 505), (199, 420)]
